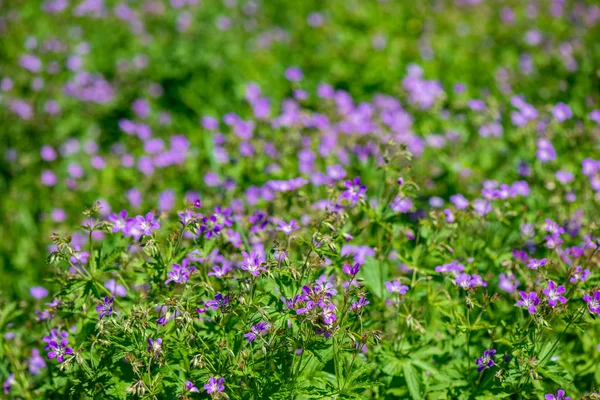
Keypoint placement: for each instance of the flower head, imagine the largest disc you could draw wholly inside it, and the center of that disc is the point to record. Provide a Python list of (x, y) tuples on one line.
[(38, 292), (467, 281), (354, 192), (486, 360), (535, 264), (508, 283), (560, 395), (529, 300), (219, 301), (220, 272), (359, 305), (554, 293), (396, 287), (401, 204), (154, 346), (579, 274), (146, 224), (36, 362), (593, 302), (58, 350), (189, 387), (180, 273), (214, 385), (252, 263), (288, 228), (210, 226), (257, 330), (8, 383), (56, 335), (562, 112), (351, 270), (119, 221), (106, 307)]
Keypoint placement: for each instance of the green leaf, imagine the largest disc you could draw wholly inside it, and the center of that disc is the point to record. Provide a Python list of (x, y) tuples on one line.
[(559, 376), (392, 366), (412, 380), (373, 274)]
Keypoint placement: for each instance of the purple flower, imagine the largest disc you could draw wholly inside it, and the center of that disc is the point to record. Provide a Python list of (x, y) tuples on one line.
[(396, 287), (553, 241), (219, 301), (354, 191), (106, 307), (180, 273), (48, 153), (79, 257), (56, 335), (48, 178), (38, 292), (449, 215), (8, 383), (562, 112), (508, 283), (545, 150), (482, 207), (58, 350), (36, 362), (154, 346), (579, 274), (477, 281), (560, 395), (535, 264), (553, 227), (31, 63), (529, 300), (210, 226), (146, 224), (527, 231), (463, 280), (459, 201), (210, 123), (293, 74), (257, 330), (288, 228), (325, 286), (293, 302), (564, 176), (486, 360), (115, 289), (554, 293), (360, 253), (401, 204), (167, 313), (452, 267), (593, 302), (223, 216), (252, 263), (119, 221), (351, 270), (328, 314), (358, 305), (220, 272), (189, 386), (187, 216), (214, 385)]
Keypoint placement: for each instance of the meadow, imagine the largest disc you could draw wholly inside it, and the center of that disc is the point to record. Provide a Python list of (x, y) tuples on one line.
[(252, 199)]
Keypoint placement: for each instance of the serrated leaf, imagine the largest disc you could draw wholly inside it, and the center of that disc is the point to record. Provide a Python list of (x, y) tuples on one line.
[(374, 273), (412, 380), (559, 377), (392, 366)]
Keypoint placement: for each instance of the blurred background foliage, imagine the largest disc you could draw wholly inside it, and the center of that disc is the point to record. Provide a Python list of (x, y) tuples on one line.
[(361, 46)]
